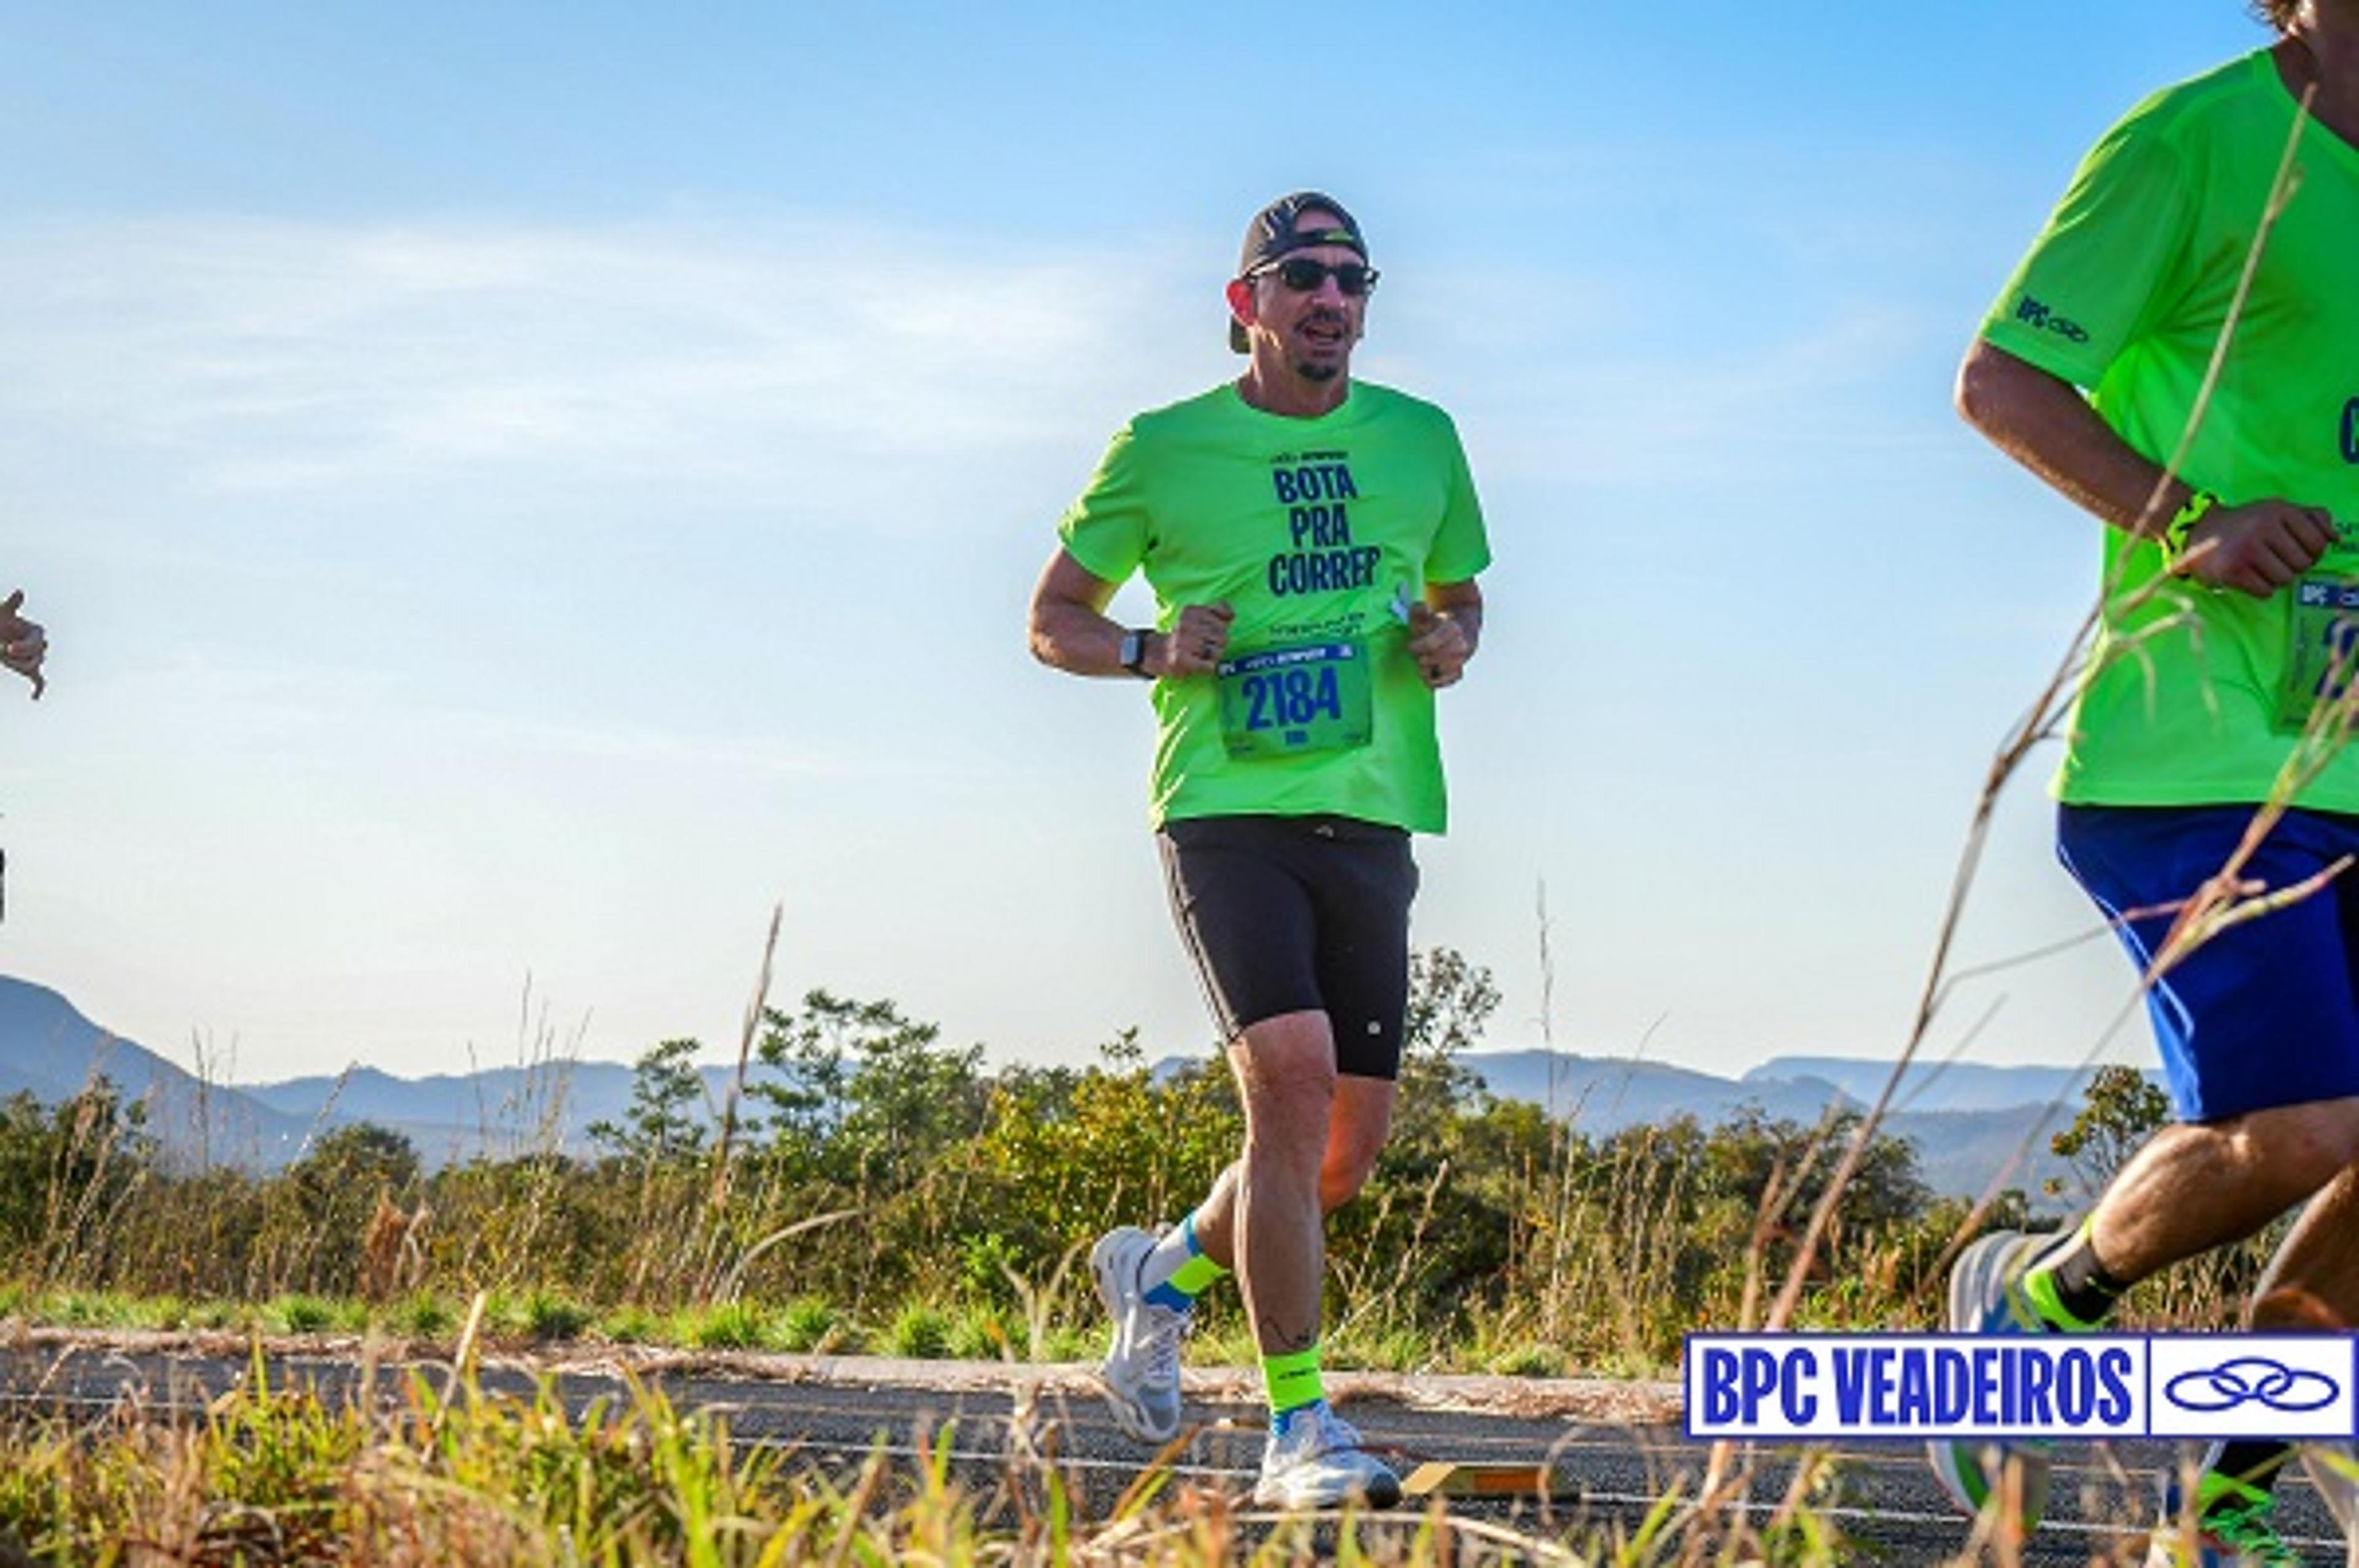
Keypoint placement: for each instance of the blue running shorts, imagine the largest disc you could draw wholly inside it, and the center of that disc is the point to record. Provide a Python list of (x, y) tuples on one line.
[(2266, 1012)]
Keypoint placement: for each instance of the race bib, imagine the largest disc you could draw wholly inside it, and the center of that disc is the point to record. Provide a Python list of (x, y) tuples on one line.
[(2321, 636), (1286, 702)]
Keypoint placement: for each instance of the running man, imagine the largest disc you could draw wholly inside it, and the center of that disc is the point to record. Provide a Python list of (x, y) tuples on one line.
[(1312, 543), (2224, 593)]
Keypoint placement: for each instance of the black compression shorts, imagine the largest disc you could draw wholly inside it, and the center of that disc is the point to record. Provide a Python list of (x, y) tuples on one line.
[(1299, 914)]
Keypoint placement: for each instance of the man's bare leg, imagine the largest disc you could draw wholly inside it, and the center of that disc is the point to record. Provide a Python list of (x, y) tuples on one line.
[(2192, 1188), (1284, 1068), (1358, 1124)]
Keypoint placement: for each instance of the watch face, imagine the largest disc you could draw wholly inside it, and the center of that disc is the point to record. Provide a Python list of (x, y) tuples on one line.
[(1134, 649)]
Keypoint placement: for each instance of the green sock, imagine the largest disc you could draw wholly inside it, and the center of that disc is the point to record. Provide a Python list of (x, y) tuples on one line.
[(1292, 1381)]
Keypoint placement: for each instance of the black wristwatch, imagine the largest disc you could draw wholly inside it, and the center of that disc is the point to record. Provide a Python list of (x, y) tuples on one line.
[(1134, 652)]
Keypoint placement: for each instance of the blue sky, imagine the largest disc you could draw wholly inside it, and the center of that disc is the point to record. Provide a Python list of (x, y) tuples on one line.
[(518, 491)]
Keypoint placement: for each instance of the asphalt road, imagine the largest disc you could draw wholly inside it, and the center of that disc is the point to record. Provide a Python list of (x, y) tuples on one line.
[(1610, 1450)]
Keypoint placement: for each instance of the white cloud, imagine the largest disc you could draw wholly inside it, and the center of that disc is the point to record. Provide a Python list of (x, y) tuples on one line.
[(1675, 418), (289, 716), (302, 356)]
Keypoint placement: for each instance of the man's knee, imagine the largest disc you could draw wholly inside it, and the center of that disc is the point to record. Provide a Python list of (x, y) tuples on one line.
[(1285, 1069), (2302, 1146)]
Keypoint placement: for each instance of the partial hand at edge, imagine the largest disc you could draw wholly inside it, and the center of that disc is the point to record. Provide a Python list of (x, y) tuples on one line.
[(2258, 547), (23, 644), (1439, 645)]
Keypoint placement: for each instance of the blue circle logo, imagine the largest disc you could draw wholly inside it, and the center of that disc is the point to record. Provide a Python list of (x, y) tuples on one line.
[(2251, 1380)]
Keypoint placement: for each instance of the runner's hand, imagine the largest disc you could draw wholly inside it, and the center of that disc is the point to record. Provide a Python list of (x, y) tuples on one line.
[(1439, 645), (1194, 644), (2258, 547), (23, 644)]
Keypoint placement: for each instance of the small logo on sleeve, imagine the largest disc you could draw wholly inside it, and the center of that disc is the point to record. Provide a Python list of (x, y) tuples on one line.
[(2034, 313)]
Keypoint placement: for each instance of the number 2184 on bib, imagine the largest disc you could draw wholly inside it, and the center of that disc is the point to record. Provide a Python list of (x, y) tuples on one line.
[(1286, 701)]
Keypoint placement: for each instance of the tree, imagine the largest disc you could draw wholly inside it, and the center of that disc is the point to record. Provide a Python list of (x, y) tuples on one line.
[(318, 1215), (1756, 1160), (663, 1123), (362, 1159), (67, 1169), (864, 1091), (2120, 1109), (1449, 1001)]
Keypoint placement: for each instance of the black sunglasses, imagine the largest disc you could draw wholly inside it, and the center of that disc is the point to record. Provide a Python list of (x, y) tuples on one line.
[(1304, 276)]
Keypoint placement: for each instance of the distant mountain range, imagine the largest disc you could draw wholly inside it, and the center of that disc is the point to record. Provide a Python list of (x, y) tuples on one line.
[(1967, 1121), (1969, 1124), (51, 1051)]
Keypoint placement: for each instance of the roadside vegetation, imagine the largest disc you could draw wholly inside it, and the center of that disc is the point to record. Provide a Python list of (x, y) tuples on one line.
[(873, 1190), (430, 1473)]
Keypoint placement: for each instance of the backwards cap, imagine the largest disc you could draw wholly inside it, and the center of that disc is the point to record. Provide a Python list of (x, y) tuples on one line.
[(1272, 235)]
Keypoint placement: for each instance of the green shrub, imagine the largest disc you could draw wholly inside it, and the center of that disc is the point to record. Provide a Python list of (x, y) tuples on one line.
[(548, 1315), (1071, 1342), (920, 1331), (301, 1314), (979, 1333), (808, 1325), (731, 1325), (423, 1315), (630, 1325), (1529, 1361)]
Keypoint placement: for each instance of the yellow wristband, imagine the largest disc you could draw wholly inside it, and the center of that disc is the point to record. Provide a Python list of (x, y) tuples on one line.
[(2182, 523)]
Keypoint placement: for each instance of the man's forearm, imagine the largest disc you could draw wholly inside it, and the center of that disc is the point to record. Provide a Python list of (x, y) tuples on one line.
[(2047, 426), (1077, 639)]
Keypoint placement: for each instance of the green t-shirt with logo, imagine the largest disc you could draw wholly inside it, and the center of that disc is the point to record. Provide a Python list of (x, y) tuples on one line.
[(1320, 533), (2195, 695)]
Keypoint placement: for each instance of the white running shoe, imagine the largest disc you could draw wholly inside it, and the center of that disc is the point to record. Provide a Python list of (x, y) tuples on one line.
[(1141, 1372), (1986, 1297), (1318, 1463)]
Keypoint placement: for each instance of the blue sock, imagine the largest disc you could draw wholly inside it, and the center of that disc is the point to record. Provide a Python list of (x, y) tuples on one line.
[(1281, 1420)]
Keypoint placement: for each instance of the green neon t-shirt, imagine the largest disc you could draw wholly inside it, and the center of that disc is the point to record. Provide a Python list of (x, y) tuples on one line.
[(1318, 534), (2124, 295)]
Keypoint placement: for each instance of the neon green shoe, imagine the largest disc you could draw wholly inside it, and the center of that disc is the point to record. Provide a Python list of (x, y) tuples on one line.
[(2232, 1528)]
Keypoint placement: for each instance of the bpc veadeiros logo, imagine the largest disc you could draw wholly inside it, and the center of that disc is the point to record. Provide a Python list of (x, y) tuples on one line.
[(1912, 1387)]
